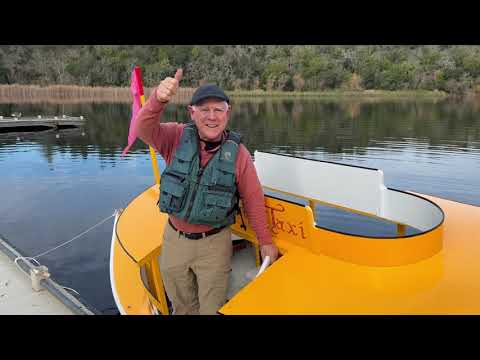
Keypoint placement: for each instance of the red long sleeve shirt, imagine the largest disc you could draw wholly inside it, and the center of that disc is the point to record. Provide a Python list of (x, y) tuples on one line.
[(164, 138)]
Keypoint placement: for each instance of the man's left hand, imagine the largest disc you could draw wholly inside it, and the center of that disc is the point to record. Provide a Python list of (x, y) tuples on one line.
[(269, 250)]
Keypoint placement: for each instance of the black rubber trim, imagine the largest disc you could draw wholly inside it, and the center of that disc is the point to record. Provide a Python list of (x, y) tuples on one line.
[(289, 201), (394, 237), (440, 197), (374, 237), (116, 232)]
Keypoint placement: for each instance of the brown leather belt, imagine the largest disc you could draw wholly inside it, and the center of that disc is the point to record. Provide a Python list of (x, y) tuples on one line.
[(196, 236)]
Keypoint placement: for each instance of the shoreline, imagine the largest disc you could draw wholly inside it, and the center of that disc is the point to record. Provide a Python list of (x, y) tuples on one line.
[(73, 94), (341, 94)]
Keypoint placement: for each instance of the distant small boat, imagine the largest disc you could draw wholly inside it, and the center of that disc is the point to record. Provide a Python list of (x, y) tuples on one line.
[(322, 271)]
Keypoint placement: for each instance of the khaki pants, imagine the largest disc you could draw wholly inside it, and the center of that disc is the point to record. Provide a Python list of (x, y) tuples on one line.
[(196, 272)]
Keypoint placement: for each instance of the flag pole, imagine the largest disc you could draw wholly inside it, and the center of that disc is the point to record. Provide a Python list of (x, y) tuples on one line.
[(153, 156)]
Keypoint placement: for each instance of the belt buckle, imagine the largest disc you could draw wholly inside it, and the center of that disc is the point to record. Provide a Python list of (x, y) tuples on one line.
[(193, 236), (201, 235)]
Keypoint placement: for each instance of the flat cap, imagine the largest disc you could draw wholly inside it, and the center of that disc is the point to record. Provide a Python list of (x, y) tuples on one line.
[(208, 91)]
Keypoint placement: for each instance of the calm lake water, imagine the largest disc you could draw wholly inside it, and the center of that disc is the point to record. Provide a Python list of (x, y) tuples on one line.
[(54, 185)]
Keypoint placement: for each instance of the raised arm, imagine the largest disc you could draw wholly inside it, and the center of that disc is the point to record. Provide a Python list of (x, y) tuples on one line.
[(161, 136)]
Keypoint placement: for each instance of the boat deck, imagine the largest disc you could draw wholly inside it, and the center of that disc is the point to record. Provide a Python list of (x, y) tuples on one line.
[(303, 282)]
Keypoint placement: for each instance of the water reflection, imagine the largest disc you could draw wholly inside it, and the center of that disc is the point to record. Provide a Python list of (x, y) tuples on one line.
[(56, 184), (349, 127)]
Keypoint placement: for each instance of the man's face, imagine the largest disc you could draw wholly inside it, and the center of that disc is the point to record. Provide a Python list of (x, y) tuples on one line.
[(211, 118)]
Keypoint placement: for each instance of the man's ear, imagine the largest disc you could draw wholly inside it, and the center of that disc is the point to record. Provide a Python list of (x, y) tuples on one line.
[(190, 109)]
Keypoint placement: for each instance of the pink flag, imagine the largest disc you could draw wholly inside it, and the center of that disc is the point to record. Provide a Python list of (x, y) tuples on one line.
[(135, 89)]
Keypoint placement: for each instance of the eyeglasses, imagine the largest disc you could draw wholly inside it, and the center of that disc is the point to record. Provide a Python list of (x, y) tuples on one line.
[(217, 111)]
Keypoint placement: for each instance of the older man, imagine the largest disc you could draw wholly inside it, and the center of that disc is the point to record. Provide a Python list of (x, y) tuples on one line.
[(208, 170)]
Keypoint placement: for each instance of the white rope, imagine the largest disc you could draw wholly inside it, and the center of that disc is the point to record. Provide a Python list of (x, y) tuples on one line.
[(67, 288), (24, 258), (57, 247), (76, 237), (28, 275)]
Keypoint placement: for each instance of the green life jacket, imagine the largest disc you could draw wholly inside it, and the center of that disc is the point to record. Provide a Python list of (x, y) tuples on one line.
[(198, 195)]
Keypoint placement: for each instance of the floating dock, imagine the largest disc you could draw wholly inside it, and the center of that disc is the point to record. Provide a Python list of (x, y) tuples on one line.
[(17, 294), (39, 123)]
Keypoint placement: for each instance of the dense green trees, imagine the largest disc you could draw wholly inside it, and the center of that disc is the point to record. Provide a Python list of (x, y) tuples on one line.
[(454, 69)]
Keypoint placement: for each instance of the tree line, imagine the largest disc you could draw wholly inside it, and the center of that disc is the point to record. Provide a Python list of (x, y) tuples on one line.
[(454, 69)]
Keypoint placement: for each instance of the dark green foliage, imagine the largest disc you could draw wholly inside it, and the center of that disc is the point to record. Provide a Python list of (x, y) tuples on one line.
[(455, 69)]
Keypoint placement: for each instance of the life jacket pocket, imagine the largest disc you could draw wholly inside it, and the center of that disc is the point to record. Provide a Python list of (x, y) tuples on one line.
[(216, 206), (182, 163), (224, 174), (172, 193)]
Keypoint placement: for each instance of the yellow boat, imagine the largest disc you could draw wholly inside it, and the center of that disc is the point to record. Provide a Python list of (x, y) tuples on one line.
[(320, 271)]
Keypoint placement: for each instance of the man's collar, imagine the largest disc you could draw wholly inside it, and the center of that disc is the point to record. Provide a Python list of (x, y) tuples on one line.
[(211, 146)]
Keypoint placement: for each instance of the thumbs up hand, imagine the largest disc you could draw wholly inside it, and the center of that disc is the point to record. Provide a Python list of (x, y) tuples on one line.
[(168, 87)]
